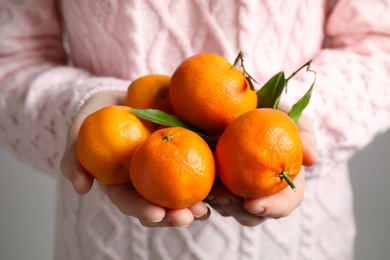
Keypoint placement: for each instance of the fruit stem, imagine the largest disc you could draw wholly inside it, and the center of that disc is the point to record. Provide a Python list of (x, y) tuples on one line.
[(240, 57), (307, 64), (284, 175), (167, 138)]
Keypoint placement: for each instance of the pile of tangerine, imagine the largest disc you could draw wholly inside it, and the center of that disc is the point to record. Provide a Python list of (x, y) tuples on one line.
[(258, 151)]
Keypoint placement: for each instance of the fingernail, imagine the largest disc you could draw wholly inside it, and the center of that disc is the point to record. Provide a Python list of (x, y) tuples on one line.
[(201, 215), (257, 211), (197, 217), (210, 197), (200, 218), (224, 201), (150, 220), (177, 225), (153, 220)]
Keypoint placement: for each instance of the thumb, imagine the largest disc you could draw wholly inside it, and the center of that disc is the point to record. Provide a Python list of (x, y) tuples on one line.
[(309, 141), (280, 204), (70, 166)]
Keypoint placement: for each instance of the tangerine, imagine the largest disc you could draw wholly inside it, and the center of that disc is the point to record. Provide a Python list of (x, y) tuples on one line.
[(173, 168), (207, 92), (259, 153), (150, 91), (106, 141)]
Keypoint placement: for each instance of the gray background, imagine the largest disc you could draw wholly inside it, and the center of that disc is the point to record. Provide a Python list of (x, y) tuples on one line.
[(27, 206)]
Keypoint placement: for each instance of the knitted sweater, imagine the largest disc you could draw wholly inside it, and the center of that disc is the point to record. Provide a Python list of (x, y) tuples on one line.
[(108, 43)]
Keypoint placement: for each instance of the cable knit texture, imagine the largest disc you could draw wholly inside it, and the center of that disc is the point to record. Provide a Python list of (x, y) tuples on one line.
[(111, 42)]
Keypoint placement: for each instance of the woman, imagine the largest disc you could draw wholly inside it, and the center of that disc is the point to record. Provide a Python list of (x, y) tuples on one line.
[(46, 92)]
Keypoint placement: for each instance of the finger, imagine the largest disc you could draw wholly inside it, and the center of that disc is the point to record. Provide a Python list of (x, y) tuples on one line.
[(102, 99), (130, 202), (309, 141), (173, 218), (179, 217), (81, 180), (216, 205), (205, 216), (70, 167), (234, 206), (306, 131), (280, 204), (200, 211)]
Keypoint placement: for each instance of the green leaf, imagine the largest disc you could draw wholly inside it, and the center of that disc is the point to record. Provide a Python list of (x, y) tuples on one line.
[(162, 118), (269, 94), (276, 105), (297, 108), (159, 117)]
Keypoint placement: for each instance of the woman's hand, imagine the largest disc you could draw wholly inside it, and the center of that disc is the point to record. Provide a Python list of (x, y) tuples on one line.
[(124, 196), (71, 168), (131, 203), (252, 212)]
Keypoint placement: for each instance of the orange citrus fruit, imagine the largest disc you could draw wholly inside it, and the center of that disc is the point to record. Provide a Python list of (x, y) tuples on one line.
[(207, 92), (258, 152), (107, 140), (173, 168), (150, 91)]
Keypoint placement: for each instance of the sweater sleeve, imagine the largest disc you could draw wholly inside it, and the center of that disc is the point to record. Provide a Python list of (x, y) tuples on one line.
[(350, 104), (39, 93)]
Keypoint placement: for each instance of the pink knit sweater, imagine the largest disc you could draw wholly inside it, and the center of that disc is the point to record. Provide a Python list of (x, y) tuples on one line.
[(111, 42)]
